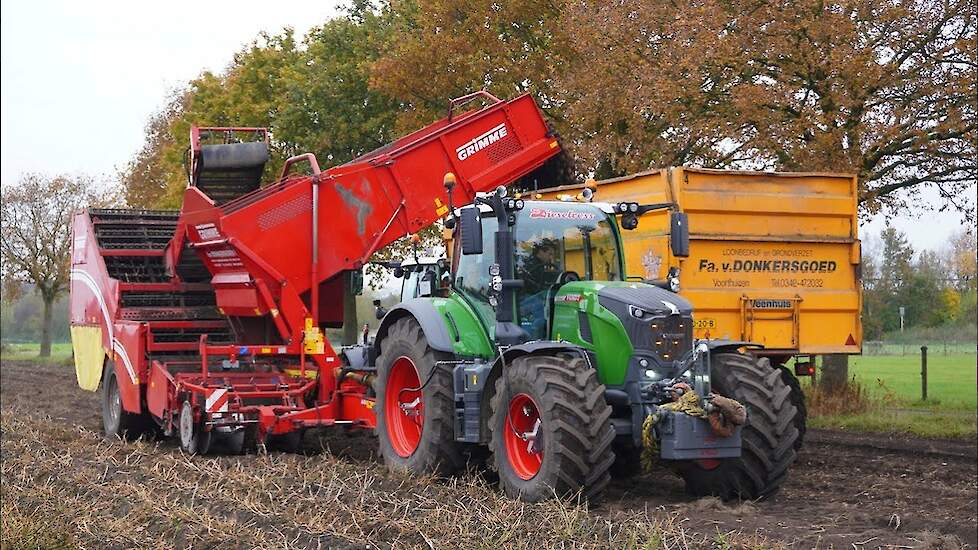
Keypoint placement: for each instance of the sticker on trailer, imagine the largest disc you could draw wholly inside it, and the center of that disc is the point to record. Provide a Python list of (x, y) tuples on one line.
[(217, 401), (767, 303), (207, 231)]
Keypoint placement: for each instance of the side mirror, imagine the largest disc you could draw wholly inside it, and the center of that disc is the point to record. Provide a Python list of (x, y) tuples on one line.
[(470, 224), (679, 234), (379, 310), (398, 272), (629, 221)]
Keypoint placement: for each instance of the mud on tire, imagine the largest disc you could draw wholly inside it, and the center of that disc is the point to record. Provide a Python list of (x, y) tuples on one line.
[(768, 438), (436, 450), (574, 423)]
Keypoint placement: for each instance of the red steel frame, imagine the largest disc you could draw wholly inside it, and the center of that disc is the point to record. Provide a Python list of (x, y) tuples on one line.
[(272, 253)]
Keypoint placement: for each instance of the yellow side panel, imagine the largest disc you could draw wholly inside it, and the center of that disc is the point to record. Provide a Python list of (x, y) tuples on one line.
[(86, 343), (774, 257)]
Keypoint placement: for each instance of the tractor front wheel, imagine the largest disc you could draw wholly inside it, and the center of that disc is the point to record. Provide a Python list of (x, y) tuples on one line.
[(415, 404), (768, 437), (798, 400), (551, 432)]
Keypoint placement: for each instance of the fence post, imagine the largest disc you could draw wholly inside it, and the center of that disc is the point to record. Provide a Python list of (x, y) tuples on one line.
[(923, 372)]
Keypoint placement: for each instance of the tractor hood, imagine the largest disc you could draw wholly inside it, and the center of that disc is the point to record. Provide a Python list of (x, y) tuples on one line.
[(658, 322), (652, 300)]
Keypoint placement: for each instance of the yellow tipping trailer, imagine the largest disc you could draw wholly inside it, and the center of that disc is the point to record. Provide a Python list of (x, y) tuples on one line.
[(774, 258)]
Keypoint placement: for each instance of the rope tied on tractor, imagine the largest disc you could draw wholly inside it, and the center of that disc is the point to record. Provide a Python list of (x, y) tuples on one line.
[(726, 415)]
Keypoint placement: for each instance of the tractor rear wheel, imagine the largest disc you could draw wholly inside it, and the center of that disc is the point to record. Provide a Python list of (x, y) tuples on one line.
[(116, 421), (415, 404), (550, 429), (768, 438)]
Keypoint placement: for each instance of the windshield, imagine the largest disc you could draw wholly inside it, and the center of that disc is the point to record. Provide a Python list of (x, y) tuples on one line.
[(556, 238), (551, 238), (576, 240)]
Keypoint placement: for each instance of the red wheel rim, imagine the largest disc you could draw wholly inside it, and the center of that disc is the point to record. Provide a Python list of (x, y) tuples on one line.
[(708, 463), (524, 438), (403, 407)]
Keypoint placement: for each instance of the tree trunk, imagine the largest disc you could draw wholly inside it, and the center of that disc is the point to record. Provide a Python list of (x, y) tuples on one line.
[(350, 328), (835, 372), (46, 326)]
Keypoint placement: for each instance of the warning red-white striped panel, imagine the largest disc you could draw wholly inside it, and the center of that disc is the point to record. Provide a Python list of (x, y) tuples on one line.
[(217, 401)]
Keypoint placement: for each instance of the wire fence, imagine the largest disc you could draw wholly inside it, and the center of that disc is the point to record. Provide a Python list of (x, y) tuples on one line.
[(939, 347)]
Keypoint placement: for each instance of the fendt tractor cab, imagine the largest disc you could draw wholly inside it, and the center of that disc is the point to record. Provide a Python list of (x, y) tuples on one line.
[(539, 346)]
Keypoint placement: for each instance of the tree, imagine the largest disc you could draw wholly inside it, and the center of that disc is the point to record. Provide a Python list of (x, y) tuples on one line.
[(963, 259), (883, 89), (36, 236), (440, 49), (147, 178), (312, 94)]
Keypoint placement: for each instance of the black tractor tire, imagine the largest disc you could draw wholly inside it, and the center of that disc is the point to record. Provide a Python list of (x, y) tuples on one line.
[(575, 425), (436, 450), (116, 421), (798, 400), (768, 437)]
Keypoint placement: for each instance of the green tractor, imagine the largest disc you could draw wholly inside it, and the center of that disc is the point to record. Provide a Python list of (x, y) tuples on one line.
[(533, 350)]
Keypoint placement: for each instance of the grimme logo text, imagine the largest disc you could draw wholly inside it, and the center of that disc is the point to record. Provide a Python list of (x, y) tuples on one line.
[(481, 142)]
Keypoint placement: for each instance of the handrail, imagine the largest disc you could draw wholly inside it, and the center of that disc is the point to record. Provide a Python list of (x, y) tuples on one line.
[(311, 158), (458, 101)]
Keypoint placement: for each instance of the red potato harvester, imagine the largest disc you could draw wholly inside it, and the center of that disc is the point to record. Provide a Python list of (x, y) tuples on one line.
[(209, 320)]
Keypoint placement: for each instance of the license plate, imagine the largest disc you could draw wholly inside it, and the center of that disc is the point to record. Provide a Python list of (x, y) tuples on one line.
[(704, 323)]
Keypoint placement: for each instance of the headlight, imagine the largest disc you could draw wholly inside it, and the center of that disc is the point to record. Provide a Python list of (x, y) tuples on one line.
[(674, 284), (674, 279)]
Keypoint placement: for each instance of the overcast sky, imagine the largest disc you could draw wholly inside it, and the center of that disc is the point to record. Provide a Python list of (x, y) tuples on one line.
[(80, 79)]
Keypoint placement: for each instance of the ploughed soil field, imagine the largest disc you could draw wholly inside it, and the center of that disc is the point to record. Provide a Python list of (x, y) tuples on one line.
[(64, 485)]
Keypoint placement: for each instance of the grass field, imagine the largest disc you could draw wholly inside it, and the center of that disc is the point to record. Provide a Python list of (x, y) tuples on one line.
[(891, 398), (60, 352), (951, 379)]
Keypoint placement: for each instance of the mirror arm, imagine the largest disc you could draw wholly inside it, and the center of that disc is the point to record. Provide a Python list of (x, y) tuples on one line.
[(643, 208)]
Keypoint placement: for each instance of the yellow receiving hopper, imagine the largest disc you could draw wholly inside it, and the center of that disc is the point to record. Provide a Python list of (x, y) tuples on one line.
[(774, 257)]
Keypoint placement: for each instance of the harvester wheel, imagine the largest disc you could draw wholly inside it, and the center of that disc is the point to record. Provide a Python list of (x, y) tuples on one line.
[(768, 438), (117, 422), (290, 442), (193, 439), (798, 400), (551, 432), (415, 404), (234, 441)]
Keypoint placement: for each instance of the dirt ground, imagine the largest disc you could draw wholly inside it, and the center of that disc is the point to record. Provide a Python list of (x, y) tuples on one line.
[(64, 485)]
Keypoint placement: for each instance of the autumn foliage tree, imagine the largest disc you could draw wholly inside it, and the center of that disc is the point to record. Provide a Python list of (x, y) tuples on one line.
[(36, 236), (881, 88), (885, 89)]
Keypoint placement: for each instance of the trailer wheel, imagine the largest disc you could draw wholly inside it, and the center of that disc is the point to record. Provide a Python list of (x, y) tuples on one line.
[(415, 404), (768, 438), (193, 439), (551, 432), (116, 421)]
